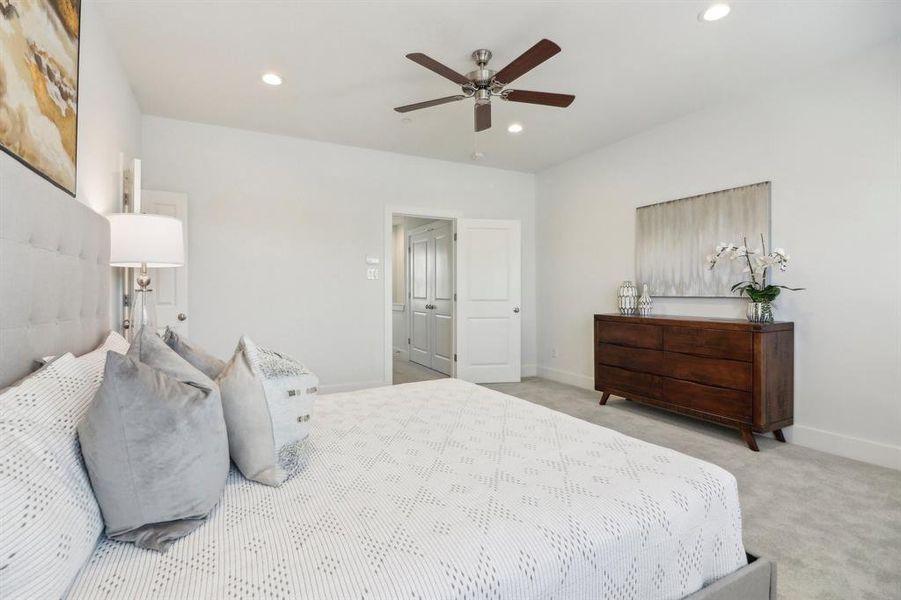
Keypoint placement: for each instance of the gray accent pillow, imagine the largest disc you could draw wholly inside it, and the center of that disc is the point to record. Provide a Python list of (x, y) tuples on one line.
[(155, 445), (267, 399), (206, 363)]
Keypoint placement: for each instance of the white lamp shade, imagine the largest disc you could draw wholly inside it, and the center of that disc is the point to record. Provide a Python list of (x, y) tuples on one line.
[(152, 240)]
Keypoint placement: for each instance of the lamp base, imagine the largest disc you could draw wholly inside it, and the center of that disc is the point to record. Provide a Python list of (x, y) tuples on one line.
[(145, 304)]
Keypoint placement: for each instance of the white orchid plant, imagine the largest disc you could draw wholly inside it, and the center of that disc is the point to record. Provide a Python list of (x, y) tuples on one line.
[(759, 261)]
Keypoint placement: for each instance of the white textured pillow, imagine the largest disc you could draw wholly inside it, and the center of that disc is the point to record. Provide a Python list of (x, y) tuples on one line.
[(94, 361), (50, 520), (267, 399)]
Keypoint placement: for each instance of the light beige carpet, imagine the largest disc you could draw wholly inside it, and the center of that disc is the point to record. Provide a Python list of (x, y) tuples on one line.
[(832, 525), (408, 372)]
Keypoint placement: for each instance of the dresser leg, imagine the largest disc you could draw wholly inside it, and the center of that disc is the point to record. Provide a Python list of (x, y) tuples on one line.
[(779, 436), (748, 436), (604, 397)]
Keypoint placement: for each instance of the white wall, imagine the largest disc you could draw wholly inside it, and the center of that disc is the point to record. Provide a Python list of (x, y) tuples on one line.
[(109, 119), (831, 145), (280, 228)]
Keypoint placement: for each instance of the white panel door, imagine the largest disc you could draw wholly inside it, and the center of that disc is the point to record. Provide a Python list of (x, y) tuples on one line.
[(432, 296), (489, 293), (420, 298), (442, 311), (170, 286)]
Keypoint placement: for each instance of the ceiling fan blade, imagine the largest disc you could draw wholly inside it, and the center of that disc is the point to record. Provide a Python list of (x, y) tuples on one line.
[(545, 98), (483, 116), (429, 103), (527, 61), (433, 65)]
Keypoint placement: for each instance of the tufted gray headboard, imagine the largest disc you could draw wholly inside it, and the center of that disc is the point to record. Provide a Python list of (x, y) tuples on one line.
[(54, 272)]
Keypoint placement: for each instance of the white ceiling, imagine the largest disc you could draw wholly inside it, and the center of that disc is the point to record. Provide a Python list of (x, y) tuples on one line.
[(631, 65)]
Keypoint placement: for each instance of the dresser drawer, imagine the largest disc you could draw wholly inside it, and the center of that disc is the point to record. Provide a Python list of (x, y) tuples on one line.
[(732, 404), (636, 359), (622, 380), (712, 371), (630, 334), (735, 345)]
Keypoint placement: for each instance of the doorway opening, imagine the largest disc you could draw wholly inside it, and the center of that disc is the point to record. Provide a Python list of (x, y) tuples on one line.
[(423, 291)]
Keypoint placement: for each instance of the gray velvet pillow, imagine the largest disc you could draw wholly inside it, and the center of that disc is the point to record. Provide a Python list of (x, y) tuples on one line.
[(206, 363), (155, 445), (267, 399)]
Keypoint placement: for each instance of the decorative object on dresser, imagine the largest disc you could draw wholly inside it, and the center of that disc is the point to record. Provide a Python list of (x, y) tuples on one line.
[(726, 371), (628, 298), (670, 239), (644, 302), (760, 293)]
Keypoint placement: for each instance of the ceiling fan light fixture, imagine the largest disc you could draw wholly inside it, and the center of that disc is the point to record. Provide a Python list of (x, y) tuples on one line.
[(715, 12), (514, 127), (272, 79)]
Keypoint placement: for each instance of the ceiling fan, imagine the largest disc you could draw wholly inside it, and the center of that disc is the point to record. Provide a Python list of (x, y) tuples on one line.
[(484, 83)]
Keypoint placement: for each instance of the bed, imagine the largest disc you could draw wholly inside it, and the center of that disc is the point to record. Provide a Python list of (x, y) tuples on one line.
[(436, 489), (446, 489)]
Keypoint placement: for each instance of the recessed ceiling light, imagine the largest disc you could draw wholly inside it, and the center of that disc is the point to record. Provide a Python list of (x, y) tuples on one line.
[(514, 128), (715, 12), (272, 79)]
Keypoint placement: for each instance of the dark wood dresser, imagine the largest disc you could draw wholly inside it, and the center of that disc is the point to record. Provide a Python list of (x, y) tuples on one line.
[(727, 371)]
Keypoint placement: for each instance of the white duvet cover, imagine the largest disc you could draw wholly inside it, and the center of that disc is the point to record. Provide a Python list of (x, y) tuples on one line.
[(444, 489)]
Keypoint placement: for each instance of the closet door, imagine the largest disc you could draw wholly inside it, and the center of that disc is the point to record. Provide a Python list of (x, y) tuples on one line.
[(432, 296), (421, 248), (442, 298)]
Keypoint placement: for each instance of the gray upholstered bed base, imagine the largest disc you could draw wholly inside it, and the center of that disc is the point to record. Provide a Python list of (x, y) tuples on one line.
[(755, 581), (54, 272)]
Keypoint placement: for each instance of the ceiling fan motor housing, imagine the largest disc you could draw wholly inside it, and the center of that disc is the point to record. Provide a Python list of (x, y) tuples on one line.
[(481, 56), (481, 77)]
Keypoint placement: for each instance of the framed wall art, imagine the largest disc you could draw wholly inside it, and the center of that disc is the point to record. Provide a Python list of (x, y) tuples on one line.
[(673, 239), (39, 44)]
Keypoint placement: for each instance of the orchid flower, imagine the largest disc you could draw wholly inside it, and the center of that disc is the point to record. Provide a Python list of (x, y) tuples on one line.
[(757, 262)]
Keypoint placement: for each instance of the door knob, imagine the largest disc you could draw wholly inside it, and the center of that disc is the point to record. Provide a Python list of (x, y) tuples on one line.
[(182, 316), (516, 309)]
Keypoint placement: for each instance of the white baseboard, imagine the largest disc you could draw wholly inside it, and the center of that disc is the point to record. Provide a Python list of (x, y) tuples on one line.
[(868, 451), (350, 387), (839, 444), (576, 379), (529, 370), (402, 354)]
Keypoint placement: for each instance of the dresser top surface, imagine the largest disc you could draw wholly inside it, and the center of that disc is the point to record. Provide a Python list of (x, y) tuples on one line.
[(704, 322)]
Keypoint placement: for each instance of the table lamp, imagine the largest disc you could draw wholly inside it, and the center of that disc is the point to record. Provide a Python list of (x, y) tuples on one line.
[(144, 242)]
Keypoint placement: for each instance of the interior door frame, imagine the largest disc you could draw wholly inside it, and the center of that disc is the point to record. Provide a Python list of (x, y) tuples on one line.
[(388, 270)]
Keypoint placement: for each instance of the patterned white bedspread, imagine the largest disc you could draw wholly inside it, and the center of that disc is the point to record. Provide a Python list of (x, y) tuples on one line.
[(444, 489)]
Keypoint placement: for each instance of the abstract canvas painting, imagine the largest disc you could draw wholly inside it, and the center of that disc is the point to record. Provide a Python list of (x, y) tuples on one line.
[(674, 238), (39, 85)]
